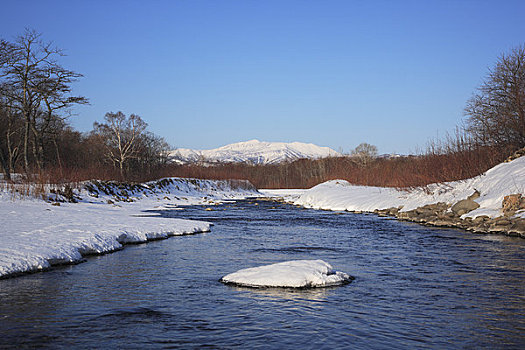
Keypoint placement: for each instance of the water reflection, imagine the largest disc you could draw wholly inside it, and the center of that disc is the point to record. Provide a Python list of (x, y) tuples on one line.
[(310, 295)]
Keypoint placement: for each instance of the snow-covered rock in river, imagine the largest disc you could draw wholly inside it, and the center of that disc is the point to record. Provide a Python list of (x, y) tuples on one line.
[(289, 274), (253, 152)]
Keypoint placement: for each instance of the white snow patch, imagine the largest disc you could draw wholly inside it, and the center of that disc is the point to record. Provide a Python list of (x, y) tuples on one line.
[(36, 235), (494, 185), (289, 195), (289, 274), (170, 192)]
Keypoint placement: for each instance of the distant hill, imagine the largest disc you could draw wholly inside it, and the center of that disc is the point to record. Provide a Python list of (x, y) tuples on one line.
[(253, 152)]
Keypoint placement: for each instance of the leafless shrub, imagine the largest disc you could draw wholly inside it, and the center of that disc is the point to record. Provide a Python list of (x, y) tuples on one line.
[(456, 158)]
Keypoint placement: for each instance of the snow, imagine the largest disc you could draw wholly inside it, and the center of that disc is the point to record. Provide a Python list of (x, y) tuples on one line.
[(36, 235), (172, 192), (289, 274), (289, 195), (254, 152), (494, 185)]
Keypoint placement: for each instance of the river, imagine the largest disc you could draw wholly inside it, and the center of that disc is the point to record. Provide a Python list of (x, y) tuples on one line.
[(414, 287)]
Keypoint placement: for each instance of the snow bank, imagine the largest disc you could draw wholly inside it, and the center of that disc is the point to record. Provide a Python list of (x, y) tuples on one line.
[(289, 195), (175, 191), (289, 274), (494, 185), (36, 235)]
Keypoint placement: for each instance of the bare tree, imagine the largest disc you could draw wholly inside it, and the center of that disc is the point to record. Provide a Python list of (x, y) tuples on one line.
[(364, 153), (121, 135), (152, 151), (38, 87), (8, 152), (10, 140), (496, 113)]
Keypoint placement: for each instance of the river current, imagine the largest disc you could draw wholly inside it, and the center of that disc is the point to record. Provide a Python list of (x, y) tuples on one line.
[(414, 287)]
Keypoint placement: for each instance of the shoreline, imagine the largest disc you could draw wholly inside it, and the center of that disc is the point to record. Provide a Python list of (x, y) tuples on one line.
[(436, 215), (53, 263), (493, 202), (100, 218)]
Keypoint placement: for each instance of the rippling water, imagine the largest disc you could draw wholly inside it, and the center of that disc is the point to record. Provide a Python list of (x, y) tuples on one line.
[(414, 287)]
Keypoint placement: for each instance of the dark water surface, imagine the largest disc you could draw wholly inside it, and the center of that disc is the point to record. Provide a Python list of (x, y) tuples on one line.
[(415, 287)]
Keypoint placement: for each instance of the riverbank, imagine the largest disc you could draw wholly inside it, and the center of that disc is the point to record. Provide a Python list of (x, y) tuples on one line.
[(99, 217), (493, 202)]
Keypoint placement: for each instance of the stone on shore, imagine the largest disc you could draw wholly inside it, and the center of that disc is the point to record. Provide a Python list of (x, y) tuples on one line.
[(464, 206)]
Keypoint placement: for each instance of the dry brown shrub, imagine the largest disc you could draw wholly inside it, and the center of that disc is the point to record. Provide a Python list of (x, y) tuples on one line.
[(435, 166)]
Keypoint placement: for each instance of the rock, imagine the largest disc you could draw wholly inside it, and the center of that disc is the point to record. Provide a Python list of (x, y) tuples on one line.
[(402, 216), (518, 227), (499, 229), (438, 215), (464, 206), (420, 211), (407, 215), (511, 203), (482, 228), (517, 154), (441, 223), (393, 211), (474, 195), (502, 222), (480, 219)]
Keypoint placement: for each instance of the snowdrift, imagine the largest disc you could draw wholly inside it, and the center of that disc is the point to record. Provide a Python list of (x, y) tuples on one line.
[(100, 217), (179, 190)]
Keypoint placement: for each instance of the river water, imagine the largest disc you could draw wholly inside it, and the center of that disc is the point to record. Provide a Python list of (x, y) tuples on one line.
[(414, 287)]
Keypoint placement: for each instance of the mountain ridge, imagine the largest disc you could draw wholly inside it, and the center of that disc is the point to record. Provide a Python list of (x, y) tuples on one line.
[(253, 152)]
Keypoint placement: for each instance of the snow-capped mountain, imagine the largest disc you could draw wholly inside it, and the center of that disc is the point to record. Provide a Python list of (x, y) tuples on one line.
[(253, 152)]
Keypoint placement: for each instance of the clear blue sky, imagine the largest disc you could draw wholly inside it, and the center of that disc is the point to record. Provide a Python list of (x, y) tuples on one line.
[(335, 73)]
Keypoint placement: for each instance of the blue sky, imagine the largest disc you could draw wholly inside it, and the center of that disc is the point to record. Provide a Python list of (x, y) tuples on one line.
[(335, 73)]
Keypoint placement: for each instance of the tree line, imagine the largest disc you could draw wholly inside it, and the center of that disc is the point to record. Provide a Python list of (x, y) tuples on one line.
[(36, 100)]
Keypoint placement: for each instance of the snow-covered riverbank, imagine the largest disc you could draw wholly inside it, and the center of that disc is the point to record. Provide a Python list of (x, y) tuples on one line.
[(480, 200), (37, 234)]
